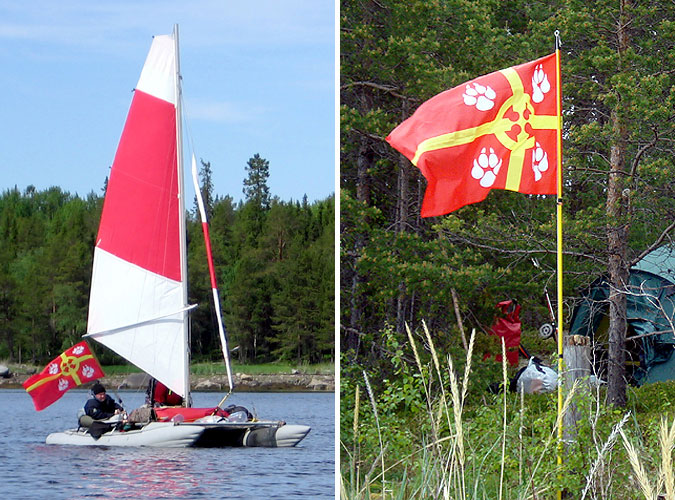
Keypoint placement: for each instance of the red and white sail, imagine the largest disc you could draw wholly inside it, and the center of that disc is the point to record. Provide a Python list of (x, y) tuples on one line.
[(138, 303)]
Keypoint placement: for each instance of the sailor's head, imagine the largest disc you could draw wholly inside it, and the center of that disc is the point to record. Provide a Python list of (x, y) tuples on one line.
[(98, 390)]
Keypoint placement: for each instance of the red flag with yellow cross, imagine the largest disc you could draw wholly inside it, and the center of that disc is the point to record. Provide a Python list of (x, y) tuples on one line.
[(498, 131), (75, 366)]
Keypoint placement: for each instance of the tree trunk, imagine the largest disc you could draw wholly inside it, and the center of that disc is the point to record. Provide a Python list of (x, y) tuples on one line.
[(617, 231), (363, 162), (403, 194), (401, 226)]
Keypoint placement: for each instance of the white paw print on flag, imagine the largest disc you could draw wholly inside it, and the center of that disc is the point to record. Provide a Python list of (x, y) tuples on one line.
[(540, 84), (78, 350), (87, 371), (486, 167), (539, 161), (63, 384), (53, 369), (480, 96)]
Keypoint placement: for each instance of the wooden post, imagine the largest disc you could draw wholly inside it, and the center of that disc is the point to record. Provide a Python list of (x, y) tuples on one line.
[(576, 355)]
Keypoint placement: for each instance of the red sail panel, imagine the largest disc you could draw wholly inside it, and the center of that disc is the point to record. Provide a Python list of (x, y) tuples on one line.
[(140, 219)]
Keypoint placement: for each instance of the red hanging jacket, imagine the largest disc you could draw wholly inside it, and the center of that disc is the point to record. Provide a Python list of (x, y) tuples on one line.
[(165, 396), (508, 327)]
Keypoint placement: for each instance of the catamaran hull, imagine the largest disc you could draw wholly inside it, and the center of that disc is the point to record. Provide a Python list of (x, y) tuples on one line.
[(257, 434), (170, 435), (156, 434)]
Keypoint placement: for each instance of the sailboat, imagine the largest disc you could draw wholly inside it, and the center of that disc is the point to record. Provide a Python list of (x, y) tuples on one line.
[(138, 303)]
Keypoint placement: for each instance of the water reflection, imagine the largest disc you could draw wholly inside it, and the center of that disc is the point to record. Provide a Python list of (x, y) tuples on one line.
[(131, 473), (162, 477), (146, 473)]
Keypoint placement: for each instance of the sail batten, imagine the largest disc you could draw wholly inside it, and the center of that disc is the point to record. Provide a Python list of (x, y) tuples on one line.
[(140, 323)]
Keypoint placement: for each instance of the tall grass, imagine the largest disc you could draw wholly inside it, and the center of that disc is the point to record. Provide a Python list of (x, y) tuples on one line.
[(377, 422), (662, 487), (496, 452), (444, 460)]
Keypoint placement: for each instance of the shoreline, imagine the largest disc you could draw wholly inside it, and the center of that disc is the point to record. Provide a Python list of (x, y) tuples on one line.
[(296, 382)]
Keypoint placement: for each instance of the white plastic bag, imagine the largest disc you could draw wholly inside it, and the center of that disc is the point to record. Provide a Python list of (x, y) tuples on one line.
[(537, 378)]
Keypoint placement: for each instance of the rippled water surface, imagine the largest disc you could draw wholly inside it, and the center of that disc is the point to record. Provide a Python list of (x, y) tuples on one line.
[(31, 469)]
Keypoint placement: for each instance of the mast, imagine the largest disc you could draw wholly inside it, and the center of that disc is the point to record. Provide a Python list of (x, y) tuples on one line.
[(214, 285), (181, 217)]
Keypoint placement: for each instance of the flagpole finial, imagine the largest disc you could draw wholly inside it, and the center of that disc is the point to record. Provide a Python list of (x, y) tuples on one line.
[(558, 43)]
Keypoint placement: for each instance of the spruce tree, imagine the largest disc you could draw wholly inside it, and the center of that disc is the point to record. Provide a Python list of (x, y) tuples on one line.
[(255, 185)]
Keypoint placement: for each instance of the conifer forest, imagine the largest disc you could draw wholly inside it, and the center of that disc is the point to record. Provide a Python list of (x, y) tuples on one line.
[(274, 265)]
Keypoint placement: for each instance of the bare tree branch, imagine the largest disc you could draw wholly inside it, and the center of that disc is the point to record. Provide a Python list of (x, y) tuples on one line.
[(389, 89), (369, 135), (530, 253), (654, 245)]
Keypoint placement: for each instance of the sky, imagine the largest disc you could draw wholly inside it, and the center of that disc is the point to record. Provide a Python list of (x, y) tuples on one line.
[(258, 77)]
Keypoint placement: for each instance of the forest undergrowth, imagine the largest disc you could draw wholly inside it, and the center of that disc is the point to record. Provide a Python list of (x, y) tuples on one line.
[(431, 429)]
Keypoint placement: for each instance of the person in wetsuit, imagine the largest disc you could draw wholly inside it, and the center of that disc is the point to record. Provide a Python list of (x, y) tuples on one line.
[(101, 406)]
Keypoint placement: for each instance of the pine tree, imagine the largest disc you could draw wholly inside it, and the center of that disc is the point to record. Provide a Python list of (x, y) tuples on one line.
[(255, 185), (206, 188)]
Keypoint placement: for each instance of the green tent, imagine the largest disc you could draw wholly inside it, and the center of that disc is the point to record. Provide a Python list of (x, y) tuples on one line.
[(651, 317)]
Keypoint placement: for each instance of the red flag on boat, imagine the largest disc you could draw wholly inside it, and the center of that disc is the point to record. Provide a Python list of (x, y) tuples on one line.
[(76, 366), (498, 131)]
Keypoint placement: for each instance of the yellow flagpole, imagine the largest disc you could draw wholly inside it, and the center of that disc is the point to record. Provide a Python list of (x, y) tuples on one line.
[(559, 214)]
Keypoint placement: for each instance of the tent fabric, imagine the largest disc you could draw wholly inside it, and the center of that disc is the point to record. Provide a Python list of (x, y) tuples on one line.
[(660, 262), (650, 313)]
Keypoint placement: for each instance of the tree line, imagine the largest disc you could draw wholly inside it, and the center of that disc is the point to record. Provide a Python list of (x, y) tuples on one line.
[(274, 263), (618, 91)]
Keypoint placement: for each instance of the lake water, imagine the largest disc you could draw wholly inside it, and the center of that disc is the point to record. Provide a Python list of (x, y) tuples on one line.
[(31, 469)]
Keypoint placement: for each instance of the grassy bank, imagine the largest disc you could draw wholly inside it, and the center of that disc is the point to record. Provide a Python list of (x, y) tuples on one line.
[(264, 369), (423, 425)]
